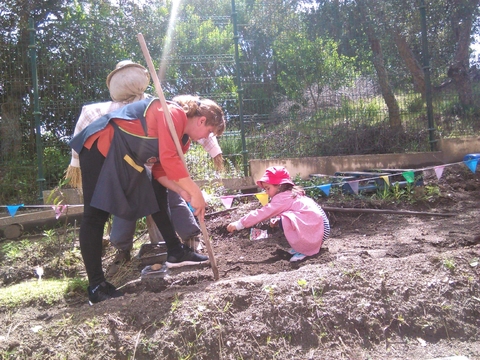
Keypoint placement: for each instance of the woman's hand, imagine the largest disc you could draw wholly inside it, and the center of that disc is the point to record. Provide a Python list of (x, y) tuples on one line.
[(198, 203), (196, 200), (185, 195)]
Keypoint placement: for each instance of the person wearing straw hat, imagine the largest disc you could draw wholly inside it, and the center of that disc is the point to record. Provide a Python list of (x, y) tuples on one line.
[(127, 84)]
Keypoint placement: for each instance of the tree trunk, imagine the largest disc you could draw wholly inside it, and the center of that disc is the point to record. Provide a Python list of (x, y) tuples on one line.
[(385, 87), (378, 63), (458, 70), (416, 70), (10, 132)]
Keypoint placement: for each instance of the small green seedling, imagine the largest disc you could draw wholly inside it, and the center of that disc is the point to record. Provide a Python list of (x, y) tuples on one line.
[(302, 283), (449, 264)]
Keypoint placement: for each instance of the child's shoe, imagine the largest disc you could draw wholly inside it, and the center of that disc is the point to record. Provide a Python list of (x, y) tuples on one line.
[(297, 257)]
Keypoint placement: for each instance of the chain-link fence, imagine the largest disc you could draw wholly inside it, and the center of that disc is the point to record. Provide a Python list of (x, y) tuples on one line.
[(212, 57)]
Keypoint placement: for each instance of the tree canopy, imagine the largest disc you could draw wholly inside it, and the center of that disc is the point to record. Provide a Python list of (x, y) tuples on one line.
[(287, 48)]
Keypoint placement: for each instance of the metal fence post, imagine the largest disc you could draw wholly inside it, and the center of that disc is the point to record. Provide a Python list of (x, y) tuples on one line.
[(36, 112), (428, 84), (240, 90)]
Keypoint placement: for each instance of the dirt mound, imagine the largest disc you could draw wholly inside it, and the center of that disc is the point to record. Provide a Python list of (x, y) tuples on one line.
[(383, 287)]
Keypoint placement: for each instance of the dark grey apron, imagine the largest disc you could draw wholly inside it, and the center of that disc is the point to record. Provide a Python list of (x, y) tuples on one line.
[(124, 188)]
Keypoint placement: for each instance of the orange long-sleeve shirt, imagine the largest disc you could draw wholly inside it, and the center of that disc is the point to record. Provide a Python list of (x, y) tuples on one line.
[(170, 165)]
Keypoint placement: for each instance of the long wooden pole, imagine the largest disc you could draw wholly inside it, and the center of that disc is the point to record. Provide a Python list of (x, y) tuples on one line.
[(171, 127)]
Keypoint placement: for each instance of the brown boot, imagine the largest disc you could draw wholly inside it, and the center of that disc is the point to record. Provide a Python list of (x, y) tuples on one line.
[(121, 258)]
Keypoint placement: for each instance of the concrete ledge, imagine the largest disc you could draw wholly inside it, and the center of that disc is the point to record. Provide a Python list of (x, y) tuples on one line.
[(242, 184), (451, 150), (67, 196), (331, 164), (456, 148), (43, 219)]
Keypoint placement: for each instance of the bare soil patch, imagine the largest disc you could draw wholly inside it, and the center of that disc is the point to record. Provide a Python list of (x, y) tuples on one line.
[(383, 287)]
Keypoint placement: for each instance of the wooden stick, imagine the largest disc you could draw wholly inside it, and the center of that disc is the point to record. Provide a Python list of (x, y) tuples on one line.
[(385, 211), (171, 127)]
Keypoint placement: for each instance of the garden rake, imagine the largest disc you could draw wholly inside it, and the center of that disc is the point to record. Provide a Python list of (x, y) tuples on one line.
[(171, 126)]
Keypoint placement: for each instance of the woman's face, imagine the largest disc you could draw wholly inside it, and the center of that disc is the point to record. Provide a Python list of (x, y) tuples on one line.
[(199, 130)]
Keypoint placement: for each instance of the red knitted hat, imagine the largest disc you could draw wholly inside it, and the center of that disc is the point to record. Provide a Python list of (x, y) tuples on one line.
[(275, 175)]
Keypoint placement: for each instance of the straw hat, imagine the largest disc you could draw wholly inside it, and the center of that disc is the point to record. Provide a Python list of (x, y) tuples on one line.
[(128, 82)]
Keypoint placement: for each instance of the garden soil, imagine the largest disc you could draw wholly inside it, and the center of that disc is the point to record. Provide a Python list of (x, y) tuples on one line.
[(384, 286)]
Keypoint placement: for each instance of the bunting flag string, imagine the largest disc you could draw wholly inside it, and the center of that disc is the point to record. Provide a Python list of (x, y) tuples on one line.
[(262, 197), (58, 209), (39, 206)]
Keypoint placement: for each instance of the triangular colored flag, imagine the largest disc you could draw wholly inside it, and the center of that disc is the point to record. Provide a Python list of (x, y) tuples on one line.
[(227, 200), (439, 171), (263, 198), (59, 210), (12, 209), (354, 186), (472, 164), (325, 188), (409, 176), (386, 179)]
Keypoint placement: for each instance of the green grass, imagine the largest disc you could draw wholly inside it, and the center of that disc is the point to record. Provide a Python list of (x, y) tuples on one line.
[(44, 292), (14, 250)]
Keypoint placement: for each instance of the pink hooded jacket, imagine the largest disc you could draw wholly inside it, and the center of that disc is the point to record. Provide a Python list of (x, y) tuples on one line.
[(302, 220)]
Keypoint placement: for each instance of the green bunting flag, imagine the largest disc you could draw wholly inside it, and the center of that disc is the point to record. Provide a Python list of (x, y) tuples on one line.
[(409, 176)]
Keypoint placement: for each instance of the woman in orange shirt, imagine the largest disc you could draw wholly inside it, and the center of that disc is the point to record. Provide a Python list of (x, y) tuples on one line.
[(113, 150)]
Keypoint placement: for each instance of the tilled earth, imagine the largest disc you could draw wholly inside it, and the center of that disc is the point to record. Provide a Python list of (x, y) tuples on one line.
[(384, 286)]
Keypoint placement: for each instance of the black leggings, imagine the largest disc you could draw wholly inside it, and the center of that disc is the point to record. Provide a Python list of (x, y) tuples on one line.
[(93, 222)]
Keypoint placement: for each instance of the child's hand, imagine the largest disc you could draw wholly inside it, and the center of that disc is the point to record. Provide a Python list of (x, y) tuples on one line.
[(231, 227), (274, 222)]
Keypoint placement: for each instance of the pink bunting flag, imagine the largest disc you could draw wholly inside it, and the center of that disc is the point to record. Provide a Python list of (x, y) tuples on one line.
[(439, 171), (12, 209), (227, 200), (59, 210), (354, 186), (263, 198)]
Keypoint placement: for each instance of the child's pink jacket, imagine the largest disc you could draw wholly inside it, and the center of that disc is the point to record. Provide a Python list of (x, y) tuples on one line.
[(302, 220)]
